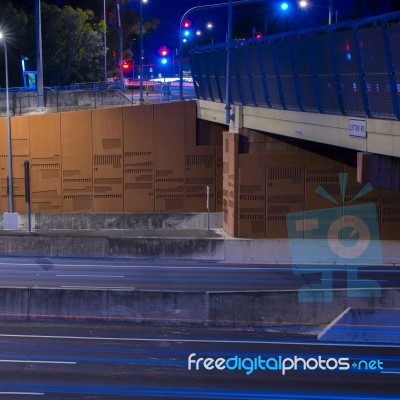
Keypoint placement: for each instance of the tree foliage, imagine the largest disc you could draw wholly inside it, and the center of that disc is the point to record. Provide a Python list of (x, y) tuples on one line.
[(72, 37), (72, 45), (14, 24)]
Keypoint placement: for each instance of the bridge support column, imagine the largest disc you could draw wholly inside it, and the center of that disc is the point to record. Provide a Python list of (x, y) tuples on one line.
[(230, 149), (381, 171)]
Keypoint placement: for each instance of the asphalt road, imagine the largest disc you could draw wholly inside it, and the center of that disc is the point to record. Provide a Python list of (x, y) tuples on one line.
[(58, 361), (96, 273)]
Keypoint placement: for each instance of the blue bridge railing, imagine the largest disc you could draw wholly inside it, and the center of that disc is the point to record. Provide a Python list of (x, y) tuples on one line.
[(350, 68)]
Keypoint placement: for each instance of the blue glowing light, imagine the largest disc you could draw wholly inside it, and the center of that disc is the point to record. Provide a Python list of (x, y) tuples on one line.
[(284, 6)]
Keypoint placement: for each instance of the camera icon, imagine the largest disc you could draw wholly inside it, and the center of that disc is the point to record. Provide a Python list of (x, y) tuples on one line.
[(343, 238)]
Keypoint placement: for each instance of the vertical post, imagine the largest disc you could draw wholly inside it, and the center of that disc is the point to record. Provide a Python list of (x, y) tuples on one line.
[(121, 77), (105, 41), (28, 191), (330, 11), (181, 61), (39, 58), (141, 101), (228, 64), (23, 70), (9, 153), (208, 208)]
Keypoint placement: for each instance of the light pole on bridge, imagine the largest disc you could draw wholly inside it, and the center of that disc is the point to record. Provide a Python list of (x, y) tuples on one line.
[(230, 5), (9, 154)]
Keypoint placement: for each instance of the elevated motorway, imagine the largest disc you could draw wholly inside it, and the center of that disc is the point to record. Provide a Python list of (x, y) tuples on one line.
[(336, 85), (382, 135)]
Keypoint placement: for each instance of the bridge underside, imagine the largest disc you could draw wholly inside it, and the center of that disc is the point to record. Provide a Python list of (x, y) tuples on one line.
[(282, 167), (378, 146)]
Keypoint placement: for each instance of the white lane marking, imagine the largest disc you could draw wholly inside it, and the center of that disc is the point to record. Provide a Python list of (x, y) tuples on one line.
[(390, 372), (333, 344), (147, 266), (99, 287), (38, 362), (92, 276), (268, 267), (24, 393)]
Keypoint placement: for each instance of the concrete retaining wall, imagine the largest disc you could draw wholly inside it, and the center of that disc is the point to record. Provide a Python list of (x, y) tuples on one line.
[(255, 309)]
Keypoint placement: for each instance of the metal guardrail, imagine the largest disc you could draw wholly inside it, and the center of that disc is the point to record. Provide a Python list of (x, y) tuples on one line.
[(350, 68), (89, 96), (73, 86)]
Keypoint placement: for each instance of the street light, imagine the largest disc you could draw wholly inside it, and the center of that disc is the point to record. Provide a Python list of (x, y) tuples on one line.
[(284, 6), (230, 5), (39, 57), (141, 100), (306, 4), (210, 27), (105, 41), (9, 155)]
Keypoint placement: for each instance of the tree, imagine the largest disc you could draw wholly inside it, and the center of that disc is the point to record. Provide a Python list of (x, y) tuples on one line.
[(130, 33), (14, 24), (72, 45)]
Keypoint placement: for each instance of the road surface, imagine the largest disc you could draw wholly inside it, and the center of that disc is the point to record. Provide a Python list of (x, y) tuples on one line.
[(185, 276), (58, 361)]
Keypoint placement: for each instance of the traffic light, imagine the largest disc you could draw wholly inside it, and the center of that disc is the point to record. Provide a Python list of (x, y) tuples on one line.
[(127, 66), (163, 51), (284, 6), (186, 24), (258, 35)]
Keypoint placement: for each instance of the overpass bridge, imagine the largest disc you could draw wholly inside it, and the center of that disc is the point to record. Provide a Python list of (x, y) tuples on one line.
[(337, 86)]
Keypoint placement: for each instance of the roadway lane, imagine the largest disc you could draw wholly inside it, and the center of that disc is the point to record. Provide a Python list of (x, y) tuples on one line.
[(58, 362), (191, 276)]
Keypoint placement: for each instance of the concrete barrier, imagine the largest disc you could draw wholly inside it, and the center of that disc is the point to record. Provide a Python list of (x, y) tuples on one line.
[(280, 307), (63, 100), (119, 221), (260, 309), (51, 245), (202, 246), (365, 325)]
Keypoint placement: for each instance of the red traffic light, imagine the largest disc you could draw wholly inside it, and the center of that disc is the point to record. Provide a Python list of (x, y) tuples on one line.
[(258, 35), (164, 51), (126, 65), (186, 24)]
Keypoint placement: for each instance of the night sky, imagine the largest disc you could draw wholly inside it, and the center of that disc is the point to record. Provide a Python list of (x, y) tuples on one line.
[(263, 16)]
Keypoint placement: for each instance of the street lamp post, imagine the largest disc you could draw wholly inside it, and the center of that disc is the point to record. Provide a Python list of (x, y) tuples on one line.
[(39, 58), (105, 41), (230, 5), (141, 100), (9, 155), (305, 4), (228, 64)]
